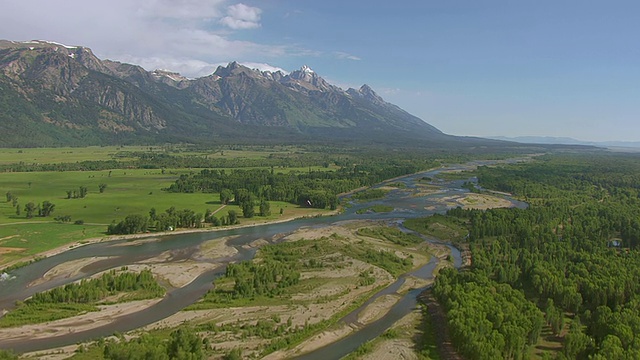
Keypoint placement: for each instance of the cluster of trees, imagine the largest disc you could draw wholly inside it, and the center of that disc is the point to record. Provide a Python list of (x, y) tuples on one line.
[(487, 320), (75, 298), (14, 202), (81, 193), (574, 251), (268, 278), (31, 209), (172, 219), (183, 344), (93, 290)]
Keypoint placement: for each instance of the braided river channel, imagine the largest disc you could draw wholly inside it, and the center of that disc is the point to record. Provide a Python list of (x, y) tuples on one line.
[(24, 282)]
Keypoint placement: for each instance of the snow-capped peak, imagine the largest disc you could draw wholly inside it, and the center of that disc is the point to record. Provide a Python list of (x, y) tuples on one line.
[(306, 69), (159, 73), (50, 43)]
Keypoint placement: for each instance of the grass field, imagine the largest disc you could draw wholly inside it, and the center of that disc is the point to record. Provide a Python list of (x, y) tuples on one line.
[(131, 191), (127, 192)]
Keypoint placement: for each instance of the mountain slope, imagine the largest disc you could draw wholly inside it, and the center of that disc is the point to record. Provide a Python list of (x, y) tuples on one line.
[(52, 94)]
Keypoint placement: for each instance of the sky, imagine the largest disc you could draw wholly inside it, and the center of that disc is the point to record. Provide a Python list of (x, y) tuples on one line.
[(562, 68)]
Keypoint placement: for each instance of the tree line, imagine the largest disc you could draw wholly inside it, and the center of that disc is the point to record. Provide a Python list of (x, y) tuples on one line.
[(173, 218), (316, 189)]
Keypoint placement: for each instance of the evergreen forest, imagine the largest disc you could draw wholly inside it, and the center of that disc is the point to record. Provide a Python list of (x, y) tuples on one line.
[(569, 263)]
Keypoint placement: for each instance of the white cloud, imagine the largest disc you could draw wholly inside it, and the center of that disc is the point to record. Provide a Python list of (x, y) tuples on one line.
[(263, 67), (346, 56), (241, 16), (178, 9), (186, 36)]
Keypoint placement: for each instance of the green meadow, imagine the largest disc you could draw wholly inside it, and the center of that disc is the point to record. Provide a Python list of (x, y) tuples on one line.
[(128, 191), (131, 191)]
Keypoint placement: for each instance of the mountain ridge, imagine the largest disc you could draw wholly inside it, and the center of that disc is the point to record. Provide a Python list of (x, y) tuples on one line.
[(53, 94)]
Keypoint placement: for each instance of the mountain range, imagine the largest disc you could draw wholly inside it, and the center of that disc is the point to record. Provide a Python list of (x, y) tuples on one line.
[(54, 95)]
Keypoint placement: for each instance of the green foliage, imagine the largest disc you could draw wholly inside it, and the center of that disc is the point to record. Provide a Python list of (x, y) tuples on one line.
[(7, 355), (371, 194), (439, 226), (265, 208), (75, 298), (365, 279), (268, 278), (487, 320), (391, 234), (361, 351), (574, 252), (132, 224), (316, 189), (232, 217), (234, 354), (47, 208), (183, 344), (427, 343), (225, 196), (381, 258), (30, 209)]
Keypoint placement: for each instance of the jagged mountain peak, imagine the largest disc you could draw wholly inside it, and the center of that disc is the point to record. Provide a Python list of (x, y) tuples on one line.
[(235, 68), (367, 93), (306, 79)]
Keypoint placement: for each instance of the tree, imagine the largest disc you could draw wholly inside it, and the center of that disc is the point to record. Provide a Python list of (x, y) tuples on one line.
[(225, 196), (184, 345), (101, 187), (9, 196), (14, 201), (265, 208), (47, 208), (233, 217), (248, 207), (153, 214), (83, 191), (575, 342), (18, 209), (165, 222), (131, 224), (30, 209)]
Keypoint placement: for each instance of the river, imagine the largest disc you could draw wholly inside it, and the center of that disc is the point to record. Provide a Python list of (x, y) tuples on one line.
[(405, 204)]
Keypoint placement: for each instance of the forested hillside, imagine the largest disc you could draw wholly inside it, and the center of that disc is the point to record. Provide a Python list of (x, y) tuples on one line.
[(571, 259)]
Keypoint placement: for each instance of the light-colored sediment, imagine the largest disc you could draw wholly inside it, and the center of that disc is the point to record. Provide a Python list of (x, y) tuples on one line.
[(106, 315), (402, 347), (176, 274), (67, 269), (378, 308)]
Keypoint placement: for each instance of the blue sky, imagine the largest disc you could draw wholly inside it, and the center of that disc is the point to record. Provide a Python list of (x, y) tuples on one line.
[(555, 68)]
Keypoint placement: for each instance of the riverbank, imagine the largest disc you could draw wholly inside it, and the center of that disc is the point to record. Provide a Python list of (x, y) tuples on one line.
[(155, 236)]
